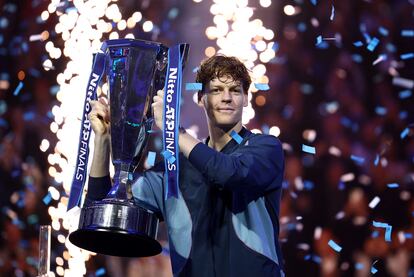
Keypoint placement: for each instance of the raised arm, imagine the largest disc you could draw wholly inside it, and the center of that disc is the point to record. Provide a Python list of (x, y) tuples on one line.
[(258, 165)]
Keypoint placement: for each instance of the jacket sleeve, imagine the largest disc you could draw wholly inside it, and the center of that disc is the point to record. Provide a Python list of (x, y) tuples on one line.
[(257, 165), (147, 190), (98, 188)]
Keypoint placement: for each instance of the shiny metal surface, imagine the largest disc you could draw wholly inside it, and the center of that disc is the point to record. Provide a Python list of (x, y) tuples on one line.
[(135, 70)]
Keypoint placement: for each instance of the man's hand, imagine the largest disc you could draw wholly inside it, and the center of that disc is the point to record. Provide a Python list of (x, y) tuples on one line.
[(99, 117), (157, 108)]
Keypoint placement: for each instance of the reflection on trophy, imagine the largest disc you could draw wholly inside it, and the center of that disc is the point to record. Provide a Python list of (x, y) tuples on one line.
[(134, 70)]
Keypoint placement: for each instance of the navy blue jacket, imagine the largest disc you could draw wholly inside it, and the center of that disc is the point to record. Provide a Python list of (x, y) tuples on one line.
[(225, 220)]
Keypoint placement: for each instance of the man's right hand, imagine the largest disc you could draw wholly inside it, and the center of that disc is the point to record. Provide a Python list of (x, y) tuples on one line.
[(99, 117)]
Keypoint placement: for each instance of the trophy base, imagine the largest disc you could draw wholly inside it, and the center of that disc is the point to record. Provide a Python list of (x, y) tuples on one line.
[(117, 228)]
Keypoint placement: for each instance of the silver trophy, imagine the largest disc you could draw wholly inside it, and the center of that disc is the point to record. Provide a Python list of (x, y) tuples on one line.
[(116, 225)]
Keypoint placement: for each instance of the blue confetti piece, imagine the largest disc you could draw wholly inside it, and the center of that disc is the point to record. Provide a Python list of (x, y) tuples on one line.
[(403, 114), (308, 149), (314, 2), (404, 94), (334, 246), (383, 31), (307, 257), (318, 40), (404, 133), (100, 272), (167, 155), (47, 198), (357, 159), (261, 86), (18, 89), (357, 58), (359, 266), (373, 270), (358, 43), (408, 235), (316, 259), (375, 234), (28, 116), (193, 86), (306, 89), (32, 219), (407, 56), (407, 33), (373, 44), (301, 27), (381, 110), (377, 158), (308, 185), (195, 69), (391, 47), (151, 158), (236, 137), (332, 13), (388, 229), (393, 185)]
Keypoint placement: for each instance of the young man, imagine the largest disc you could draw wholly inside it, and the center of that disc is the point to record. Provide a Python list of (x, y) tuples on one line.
[(225, 220)]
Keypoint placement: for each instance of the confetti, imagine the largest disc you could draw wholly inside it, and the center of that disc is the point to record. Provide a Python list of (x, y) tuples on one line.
[(332, 13), (236, 137), (308, 149), (100, 272), (151, 158), (404, 133), (193, 86), (404, 94), (377, 158), (388, 229), (314, 2), (261, 86), (374, 202), (407, 33), (359, 266), (318, 40), (167, 155), (403, 82), (373, 269), (380, 58), (334, 246), (373, 44), (381, 110), (383, 31), (357, 159), (393, 185), (375, 234), (358, 43), (18, 89), (47, 198), (407, 56)]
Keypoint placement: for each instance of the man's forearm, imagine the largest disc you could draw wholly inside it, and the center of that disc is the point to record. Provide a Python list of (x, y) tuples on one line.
[(100, 160), (186, 143)]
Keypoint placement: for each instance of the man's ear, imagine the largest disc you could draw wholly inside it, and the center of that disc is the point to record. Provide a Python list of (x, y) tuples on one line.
[(201, 99)]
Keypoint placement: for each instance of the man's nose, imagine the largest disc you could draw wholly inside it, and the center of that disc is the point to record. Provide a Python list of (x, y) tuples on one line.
[(226, 96)]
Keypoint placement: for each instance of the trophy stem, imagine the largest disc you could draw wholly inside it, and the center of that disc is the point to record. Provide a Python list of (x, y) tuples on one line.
[(44, 251), (121, 182)]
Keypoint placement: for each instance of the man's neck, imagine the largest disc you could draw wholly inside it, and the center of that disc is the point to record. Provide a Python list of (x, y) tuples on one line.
[(220, 137)]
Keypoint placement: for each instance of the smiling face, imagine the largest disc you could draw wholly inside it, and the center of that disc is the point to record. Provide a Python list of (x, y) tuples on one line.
[(223, 102)]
